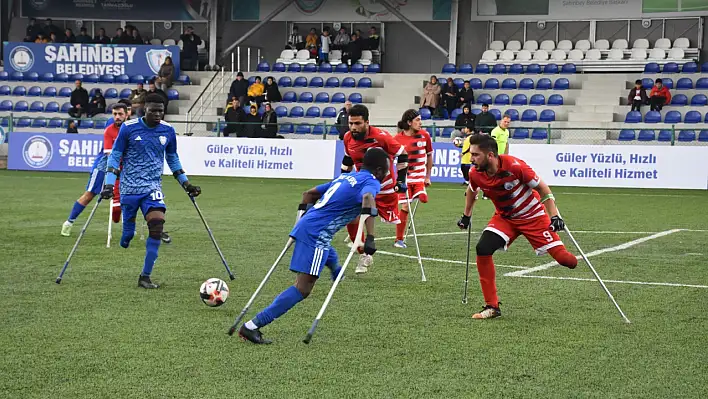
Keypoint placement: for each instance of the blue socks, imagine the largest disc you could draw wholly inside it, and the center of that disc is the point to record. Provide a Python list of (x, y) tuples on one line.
[(76, 211), (281, 304), (151, 247), (128, 232)]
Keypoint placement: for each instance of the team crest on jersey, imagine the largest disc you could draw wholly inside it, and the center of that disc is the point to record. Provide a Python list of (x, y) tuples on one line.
[(508, 185), (420, 144), (163, 140)]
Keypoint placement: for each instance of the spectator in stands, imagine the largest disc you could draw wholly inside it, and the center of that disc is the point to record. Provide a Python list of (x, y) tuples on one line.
[(234, 116), (485, 122), (269, 128), (343, 119), (372, 43), (659, 96), (72, 128), (137, 100), (166, 74), (353, 51), (239, 89), (190, 51), (152, 88), (69, 36), (466, 95), (255, 92), (431, 95), (465, 119), (449, 96), (53, 38), (120, 37), (50, 28), (295, 41), (325, 43), (136, 38), (637, 96), (41, 38), (253, 123), (101, 38), (272, 93), (83, 37), (97, 105), (311, 43), (33, 30), (341, 41), (79, 101)]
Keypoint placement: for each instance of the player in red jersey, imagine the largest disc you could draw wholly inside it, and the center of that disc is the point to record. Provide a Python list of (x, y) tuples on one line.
[(360, 137), (419, 147), (524, 206), (109, 137)]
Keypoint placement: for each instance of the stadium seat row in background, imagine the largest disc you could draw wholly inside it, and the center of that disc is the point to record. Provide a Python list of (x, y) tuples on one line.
[(324, 67), (568, 68), (670, 117), (92, 78), (51, 91), (664, 135)]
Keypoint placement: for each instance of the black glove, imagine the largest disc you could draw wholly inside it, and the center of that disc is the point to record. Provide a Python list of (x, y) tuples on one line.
[(369, 245), (557, 224), (464, 222), (301, 210), (107, 192), (192, 190)]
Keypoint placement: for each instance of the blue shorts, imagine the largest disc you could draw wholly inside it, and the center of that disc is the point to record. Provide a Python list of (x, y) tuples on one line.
[(130, 203), (95, 182), (309, 259)]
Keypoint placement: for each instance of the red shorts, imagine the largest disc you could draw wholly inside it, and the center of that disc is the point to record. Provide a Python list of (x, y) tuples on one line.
[(535, 230), (387, 205), (415, 191)]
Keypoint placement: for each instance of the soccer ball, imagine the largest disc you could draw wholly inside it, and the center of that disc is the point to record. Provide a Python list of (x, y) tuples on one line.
[(458, 141), (214, 292)]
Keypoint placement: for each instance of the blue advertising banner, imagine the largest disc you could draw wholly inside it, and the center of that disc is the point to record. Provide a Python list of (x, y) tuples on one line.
[(131, 10), (53, 152), (88, 58)]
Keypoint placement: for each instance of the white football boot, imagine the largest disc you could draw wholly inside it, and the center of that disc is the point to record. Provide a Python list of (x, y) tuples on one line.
[(365, 262), (66, 228)]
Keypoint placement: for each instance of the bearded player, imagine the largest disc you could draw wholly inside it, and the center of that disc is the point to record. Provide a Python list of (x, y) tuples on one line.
[(524, 206), (360, 137), (419, 147)]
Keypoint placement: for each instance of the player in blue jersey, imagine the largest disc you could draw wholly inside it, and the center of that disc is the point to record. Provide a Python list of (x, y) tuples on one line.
[(144, 144), (336, 204)]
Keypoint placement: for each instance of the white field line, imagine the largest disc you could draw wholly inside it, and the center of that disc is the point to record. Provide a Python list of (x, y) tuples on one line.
[(595, 253), (457, 262), (449, 233), (619, 281), (462, 189)]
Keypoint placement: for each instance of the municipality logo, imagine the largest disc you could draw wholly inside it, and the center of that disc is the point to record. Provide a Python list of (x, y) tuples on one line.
[(37, 152), (155, 58), (39, 5), (21, 59)]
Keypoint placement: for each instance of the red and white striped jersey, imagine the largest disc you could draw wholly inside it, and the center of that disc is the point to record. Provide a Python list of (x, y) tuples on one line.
[(109, 138), (511, 189), (418, 146), (376, 137)]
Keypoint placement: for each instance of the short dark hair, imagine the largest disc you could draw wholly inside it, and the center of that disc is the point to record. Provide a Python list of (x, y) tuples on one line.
[(374, 158), (485, 143), (154, 98), (638, 82), (658, 80), (126, 102), (120, 106), (485, 105), (359, 110)]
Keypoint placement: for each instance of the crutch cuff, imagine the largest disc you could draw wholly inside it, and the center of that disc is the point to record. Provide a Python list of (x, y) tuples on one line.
[(370, 211)]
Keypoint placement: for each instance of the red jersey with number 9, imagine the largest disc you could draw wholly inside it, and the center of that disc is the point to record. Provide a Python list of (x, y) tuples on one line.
[(375, 138)]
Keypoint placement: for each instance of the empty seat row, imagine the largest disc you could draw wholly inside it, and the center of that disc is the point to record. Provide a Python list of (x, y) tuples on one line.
[(528, 115), (287, 128), (672, 67), (511, 84), (664, 135), (317, 81), (324, 67), (311, 112), (681, 84), (697, 100), (93, 78), (520, 99), (323, 97), (482, 68), (36, 106), (670, 117), (36, 91), (55, 123), (585, 45)]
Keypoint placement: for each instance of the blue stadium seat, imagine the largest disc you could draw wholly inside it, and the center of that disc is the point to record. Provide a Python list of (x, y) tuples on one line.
[(6, 105), (652, 67), (322, 97), (339, 98), (21, 106), (357, 68), (4, 76), (692, 117), (555, 99), (122, 79), (544, 84), (520, 99), (53, 106), (286, 128), (647, 83), (516, 69), (689, 67), (310, 68), (5, 90), (111, 93), (529, 115), (329, 112), (172, 94), (706, 120), (303, 129), (364, 82), (125, 93), (475, 83), (686, 135), (279, 67), (34, 91), (356, 98), (455, 113), (569, 68), (4, 122), (484, 98), (501, 99), (23, 122), (37, 106), (294, 67), (672, 117), (306, 97), (86, 124), (539, 134), (92, 78), (702, 83), (652, 117), (483, 69), (526, 84), (533, 69), (491, 83), (341, 68), (561, 84), (61, 77), (77, 76), (704, 67), (679, 99), (459, 82), (684, 84), (316, 82), (46, 77), (31, 76), (626, 135), (646, 135), (443, 114), (281, 111), (92, 92), (670, 67), (285, 81), (313, 112), (633, 117), (137, 79), (665, 135), (509, 83), (538, 99), (107, 78), (373, 68), (703, 136), (668, 82), (297, 112), (65, 107), (497, 114), (348, 82), (465, 68), (39, 122), (447, 132), (499, 69), (263, 67), (19, 91), (251, 80), (547, 115), (699, 100), (513, 114), (55, 123), (319, 130), (289, 97), (520, 134), (449, 68), (424, 113), (300, 81), (550, 69), (332, 82)]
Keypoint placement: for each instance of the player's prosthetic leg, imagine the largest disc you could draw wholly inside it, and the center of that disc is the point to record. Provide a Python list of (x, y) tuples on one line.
[(415, 238), (213, 240), (78, 239)]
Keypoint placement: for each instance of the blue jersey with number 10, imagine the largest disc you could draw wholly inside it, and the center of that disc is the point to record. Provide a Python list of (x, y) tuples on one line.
[(339, 205)]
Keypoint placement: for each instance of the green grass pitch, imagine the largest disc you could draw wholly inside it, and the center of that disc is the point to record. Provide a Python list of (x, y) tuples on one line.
[(385, 334)]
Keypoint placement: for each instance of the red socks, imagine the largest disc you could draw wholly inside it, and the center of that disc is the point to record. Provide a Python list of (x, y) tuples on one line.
[(562, 256), (401, 227), (487, 279)]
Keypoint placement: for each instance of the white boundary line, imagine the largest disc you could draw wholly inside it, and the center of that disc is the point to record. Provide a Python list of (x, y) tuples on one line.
[(457, 262), (450, 233), (619, 281)]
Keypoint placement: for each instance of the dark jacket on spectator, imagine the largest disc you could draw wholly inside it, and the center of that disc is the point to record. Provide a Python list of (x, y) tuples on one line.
[(234, 115), (642, 94), (83, 39), (485, 122), (122, 39), (190, 43), (465, 120), (167, 74), (32, 31), (79, 96), (239, 88), (467, 94), (270, 122), (354, 50), (272, 93), (342, 122), (102, 40), (98, 104), (70, 39), (253, 126)]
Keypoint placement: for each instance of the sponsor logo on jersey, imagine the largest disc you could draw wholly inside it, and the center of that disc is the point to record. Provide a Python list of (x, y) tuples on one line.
[(508, 185), (37, 152)]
